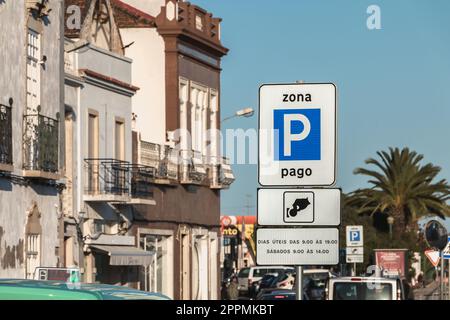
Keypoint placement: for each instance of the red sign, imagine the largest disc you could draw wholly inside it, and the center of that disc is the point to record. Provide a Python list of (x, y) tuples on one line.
[(392, 261)]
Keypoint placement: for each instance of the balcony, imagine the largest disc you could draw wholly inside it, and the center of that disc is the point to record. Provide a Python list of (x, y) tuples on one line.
[(40, 147), (163, 158), (107, 180), (6, 158), (142, 178), (193, 168), (221, 175)]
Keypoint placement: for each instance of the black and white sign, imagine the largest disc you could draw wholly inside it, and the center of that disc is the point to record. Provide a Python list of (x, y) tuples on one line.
[(297, 134), (299, 207), (293, 246), (354, 250), (354, 258)]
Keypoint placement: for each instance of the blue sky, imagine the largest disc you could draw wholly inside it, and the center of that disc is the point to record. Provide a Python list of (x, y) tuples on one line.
[(393, 83)]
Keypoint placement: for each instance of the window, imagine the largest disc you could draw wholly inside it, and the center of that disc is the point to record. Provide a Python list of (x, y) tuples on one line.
[(33, 70), (119, 140), (199, 106), (105, 227), (244, 273), (158, 277), (362, 291), (184, 99), (199, 22), (93, 136), (213, 114), (33, 254), (93, 169)]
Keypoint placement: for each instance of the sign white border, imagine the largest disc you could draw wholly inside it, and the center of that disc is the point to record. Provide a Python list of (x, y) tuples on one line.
[(270, 206), (296, 182), (350, 243)]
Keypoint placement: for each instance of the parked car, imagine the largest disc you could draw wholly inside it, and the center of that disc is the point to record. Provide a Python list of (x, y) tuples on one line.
[(365, 288), (265, 282), (19, 289), (284, 280), (281, 294), (278, 295), (247, 276), (315, 281)]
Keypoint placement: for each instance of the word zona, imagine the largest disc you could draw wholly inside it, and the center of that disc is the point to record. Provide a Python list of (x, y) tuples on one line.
[(299, 97)]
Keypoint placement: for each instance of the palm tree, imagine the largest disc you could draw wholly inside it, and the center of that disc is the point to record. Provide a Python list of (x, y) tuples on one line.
[(401, 188)]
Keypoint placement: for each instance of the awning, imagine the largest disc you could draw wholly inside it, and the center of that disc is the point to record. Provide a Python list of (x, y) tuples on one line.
[(125, 255)]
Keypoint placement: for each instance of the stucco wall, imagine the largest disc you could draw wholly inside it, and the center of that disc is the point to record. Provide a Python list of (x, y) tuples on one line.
[(16, 200), (105, 62), (149, 103), (16, 197), (152, 7)]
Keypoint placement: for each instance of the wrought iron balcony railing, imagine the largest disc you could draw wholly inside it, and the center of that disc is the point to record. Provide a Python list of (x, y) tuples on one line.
[(107, 177), (142, 178), (5, 135), (226, 177), (162, 158), (193, 168), (40, 143), (221, 174)]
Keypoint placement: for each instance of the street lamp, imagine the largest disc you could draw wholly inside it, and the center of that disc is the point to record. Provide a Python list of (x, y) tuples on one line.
[(247, 112), (390, 221)]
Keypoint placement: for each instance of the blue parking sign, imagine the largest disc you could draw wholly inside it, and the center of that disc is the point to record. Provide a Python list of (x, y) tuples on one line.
[(355, 236), (298, 133)]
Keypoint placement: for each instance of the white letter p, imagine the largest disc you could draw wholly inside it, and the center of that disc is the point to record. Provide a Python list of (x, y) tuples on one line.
[(289, 136)]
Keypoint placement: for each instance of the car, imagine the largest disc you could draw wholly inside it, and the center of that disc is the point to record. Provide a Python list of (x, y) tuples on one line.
[(282, 280), (24, 289), (265, 282), (364, 288), (278, 295), (247, 276), (281, 294), (315, 281)]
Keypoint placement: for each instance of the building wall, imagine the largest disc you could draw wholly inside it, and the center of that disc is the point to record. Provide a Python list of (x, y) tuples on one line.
[(152, 7), (13, 61), (105, 62), (149, 103), (16, 200), (16, 197), (183, 204), (201, 73), (109, 107)]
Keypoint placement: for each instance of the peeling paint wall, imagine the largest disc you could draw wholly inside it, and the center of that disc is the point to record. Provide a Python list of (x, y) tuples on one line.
[(15, 204), (17, 196)]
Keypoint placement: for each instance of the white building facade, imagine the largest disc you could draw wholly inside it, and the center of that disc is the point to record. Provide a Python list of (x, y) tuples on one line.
[(31, 143)]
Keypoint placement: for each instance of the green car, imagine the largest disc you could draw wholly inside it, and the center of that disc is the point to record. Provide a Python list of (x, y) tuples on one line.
[(18, 289)]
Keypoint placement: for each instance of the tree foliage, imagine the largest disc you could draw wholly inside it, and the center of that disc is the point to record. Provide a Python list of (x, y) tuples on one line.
[(401, 187)]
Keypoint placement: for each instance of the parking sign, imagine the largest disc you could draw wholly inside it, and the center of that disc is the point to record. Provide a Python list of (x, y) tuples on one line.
[(354, 236), (297, 134)]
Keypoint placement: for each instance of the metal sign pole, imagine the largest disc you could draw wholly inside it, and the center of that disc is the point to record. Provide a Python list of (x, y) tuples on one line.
[(448, 281), (442, 276), (299, 283)]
